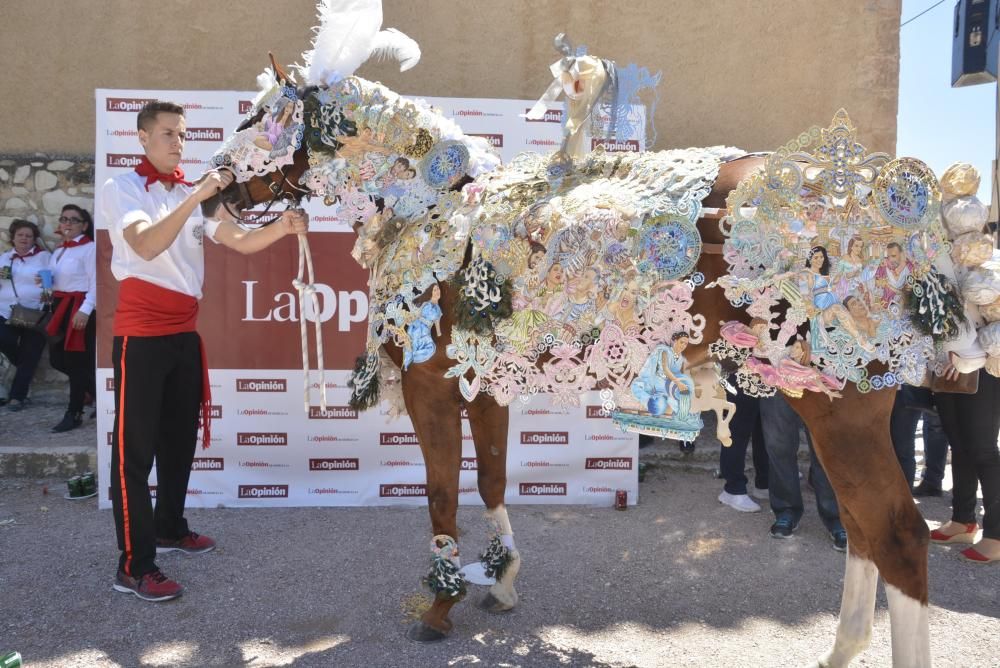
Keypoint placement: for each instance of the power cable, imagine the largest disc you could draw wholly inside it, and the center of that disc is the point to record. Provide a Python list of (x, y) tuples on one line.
[(910, 20)]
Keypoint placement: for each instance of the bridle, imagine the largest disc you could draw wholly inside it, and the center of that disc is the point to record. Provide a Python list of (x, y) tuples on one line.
[(278, 180)]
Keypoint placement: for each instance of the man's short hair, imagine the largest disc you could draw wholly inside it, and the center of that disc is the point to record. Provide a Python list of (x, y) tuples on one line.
[(894, 244), (148, 114)]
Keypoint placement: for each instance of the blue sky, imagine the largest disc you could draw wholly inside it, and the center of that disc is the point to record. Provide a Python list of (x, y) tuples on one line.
[(937, 123)]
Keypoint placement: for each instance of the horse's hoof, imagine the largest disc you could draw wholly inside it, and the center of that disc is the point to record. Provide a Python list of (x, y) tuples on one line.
[(420, 632), (493, 605)]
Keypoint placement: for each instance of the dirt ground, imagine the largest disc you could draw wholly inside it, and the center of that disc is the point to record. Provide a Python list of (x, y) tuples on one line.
[(679, 580)]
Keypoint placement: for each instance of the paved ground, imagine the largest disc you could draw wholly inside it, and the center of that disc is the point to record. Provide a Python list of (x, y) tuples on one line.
[(28, 448), (678, 581)]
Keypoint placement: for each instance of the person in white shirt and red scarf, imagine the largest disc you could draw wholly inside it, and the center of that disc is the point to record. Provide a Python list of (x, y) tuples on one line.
[(160, 368), (73, 329), (19, 268)]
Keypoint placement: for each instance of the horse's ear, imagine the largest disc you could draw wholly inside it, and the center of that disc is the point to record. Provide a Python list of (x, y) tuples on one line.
[(278, 72)]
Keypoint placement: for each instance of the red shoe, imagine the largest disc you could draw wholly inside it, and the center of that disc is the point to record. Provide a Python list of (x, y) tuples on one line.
[(968, 536), (152, 586), (976, 557), (192, 543)]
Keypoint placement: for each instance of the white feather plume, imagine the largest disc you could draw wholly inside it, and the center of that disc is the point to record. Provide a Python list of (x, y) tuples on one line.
[(390, 43), (347, 36)]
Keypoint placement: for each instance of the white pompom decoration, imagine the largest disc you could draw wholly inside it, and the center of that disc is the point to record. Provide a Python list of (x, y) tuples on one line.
[(981, 286), (993, 366), (990, 312), (972, 249), (989, 339), (964, 215)]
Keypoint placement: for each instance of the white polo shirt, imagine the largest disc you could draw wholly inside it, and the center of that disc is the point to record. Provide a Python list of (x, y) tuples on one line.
[(181, 267), (75, 270)]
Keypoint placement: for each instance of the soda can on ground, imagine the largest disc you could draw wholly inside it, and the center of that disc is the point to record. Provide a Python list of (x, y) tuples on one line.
[(75, 485), (621, 499), (88, 483), (10, 659)]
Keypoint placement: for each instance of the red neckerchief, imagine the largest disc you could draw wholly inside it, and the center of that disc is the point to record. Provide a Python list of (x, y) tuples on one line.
[(35, 250), (72, 243), (146, 168)]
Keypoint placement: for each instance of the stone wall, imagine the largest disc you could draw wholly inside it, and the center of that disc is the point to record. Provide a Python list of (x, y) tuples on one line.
[(36, 187)]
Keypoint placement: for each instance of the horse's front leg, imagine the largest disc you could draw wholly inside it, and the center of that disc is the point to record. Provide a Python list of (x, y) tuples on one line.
[(489, 424), (435, 410)]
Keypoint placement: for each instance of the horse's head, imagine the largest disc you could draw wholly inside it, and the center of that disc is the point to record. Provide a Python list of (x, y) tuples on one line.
[(266, 154), (357, 145)]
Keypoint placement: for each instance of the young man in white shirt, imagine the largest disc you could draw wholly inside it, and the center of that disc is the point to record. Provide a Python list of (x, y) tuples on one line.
[(161, 377)]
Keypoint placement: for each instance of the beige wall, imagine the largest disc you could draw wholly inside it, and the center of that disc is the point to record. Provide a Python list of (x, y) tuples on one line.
[(751, 73)]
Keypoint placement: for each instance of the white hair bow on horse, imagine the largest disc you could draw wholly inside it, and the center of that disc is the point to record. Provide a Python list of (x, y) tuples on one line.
[(583, 79)]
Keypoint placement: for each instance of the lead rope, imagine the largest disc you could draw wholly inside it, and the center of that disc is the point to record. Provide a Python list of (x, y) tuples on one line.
[(309, 290)]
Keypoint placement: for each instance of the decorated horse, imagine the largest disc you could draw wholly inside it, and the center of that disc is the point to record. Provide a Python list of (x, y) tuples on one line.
[(641, 275)]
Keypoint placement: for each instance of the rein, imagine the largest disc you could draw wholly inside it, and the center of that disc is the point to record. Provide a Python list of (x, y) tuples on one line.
[(306, 289)]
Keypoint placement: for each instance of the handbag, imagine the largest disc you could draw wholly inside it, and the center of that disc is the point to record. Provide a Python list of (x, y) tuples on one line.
[(35, 319), (25, 317)]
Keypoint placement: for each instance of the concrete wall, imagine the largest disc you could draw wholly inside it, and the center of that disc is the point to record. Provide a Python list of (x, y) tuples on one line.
[(750, 73)]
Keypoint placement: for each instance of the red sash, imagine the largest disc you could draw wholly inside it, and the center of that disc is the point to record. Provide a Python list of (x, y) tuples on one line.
[(69, 304), (145, 309)]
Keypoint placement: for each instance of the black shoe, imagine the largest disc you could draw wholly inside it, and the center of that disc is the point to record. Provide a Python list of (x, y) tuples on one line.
[(924, 489), (783, 527), (69, 422), (839, 538), (687, 447)]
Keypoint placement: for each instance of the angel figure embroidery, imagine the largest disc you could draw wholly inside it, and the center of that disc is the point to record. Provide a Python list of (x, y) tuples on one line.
[(422, 346), (825, 310), (662, 387), (274, 137)]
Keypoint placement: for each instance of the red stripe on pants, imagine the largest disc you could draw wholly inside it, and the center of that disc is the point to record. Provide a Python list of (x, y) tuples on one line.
[(121, 462)]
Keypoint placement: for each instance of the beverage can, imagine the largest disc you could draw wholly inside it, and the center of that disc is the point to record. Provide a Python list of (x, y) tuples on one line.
[(88, 483), (10, 659)]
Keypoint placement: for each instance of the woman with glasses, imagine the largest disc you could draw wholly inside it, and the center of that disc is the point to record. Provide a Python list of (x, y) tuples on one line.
[(18, 268), (72, 330)]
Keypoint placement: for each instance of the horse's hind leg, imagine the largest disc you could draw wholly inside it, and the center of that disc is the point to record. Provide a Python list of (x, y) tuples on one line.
[(857, 606), (489, 422), (435, 411)]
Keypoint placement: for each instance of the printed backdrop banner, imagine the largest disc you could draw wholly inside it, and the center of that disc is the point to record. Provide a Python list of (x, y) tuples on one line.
[(267, 448)]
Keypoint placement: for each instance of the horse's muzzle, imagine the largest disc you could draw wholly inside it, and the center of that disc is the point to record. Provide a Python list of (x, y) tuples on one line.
[(232, 196)]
